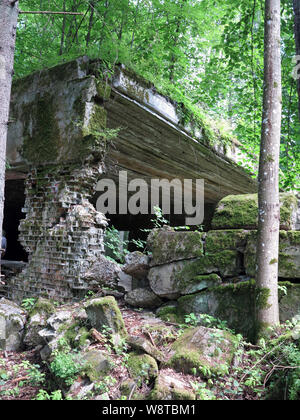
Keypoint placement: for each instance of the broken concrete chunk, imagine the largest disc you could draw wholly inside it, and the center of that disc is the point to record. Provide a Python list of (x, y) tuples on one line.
[(37, 321), (168, 245), (289, 254), (136, 265), (198, 283), (220, 240), (103, 272), (143, 345), (143, 298), (104, 312), (12, 324), (203, 351), (169, 387)]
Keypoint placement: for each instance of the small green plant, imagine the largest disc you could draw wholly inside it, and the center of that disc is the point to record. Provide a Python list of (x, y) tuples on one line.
[(43, 395), (66, 366), (28, 303), (202, 392), (35, 376), (191, 319), (117, 248)]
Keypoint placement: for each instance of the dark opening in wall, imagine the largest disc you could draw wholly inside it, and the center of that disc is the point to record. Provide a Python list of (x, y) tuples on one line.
[(14, 202)]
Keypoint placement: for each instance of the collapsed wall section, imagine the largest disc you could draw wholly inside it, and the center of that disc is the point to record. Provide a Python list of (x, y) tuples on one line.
[(62, 232)]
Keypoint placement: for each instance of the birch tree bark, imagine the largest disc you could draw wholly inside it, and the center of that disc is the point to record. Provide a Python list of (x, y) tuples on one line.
[(267, 310), (8, 26), (296, 5)]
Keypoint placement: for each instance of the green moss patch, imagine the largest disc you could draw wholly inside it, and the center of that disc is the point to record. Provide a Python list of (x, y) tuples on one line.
[(241, 211), (203, 351)]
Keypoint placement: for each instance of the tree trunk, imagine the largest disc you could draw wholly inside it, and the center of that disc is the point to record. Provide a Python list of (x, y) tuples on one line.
[(88, 36), (296, 4), (268, 195), (8, 24)]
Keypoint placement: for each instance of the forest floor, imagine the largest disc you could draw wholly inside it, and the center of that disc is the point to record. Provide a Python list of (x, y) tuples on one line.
[(23, 375)]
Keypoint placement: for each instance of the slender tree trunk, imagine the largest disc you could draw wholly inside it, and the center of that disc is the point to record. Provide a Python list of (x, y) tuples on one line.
[(296, 4), (88, 36), (62, 38), (268, 196), (8, 24)]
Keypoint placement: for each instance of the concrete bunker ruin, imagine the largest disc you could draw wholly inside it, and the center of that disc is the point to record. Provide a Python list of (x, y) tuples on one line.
[(59, 147)]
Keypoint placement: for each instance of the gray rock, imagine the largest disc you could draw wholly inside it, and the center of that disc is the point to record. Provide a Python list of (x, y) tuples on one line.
[(141, 344), (201, 348), (136, 265), (104, 312), (37, 321), (169, 387), (103, 272), (168, 245), (241, 212), (163, 279), (97, 364), (12, 323), (143, 298), (289, 254)]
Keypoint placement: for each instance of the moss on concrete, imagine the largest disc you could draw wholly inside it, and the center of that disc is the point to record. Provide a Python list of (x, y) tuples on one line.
[(241, 211), (43, 144), (220, 240), (168, 245), (226, 263)]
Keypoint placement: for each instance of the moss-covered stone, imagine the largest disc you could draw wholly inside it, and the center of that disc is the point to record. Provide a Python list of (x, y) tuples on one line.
[(142, 367), (220, 240), (140, 344), (289, 301), (289, 254), (204, 351), (168, 313), (96, 365), (227, 263), (241, 211), (167, 387), (104, 312), (168, 245), (198, 283)]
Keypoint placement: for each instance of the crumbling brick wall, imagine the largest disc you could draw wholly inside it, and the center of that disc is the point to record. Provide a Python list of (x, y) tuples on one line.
[(62, 232)]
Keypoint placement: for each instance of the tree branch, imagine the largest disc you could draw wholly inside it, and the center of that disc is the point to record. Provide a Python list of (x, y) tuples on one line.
[(44, 12)]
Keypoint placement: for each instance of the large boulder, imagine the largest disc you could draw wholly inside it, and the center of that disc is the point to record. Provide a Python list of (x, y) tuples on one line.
[(203, 351), (12, 324), (103, 272), (241, 212), (168, 245), (233, 303), (143, 298), (171, 280), (289, 254)]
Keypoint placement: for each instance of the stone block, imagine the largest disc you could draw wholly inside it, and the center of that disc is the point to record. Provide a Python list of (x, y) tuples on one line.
[(241, 212)]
